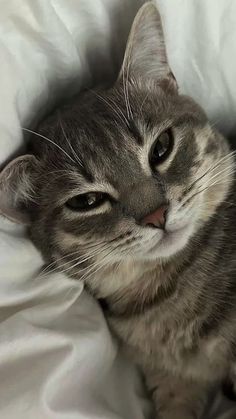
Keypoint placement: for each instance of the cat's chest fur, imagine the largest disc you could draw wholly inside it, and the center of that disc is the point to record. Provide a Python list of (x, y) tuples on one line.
[(157, 344), (168, 327)]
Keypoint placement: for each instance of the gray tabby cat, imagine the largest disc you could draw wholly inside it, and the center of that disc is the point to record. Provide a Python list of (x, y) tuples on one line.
[(130, 190)]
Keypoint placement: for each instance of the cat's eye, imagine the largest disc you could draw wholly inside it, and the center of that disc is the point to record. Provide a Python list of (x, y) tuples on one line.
[(162, 147), (87, 201)]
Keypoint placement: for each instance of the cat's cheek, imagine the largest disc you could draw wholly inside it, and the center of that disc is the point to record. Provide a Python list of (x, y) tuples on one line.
[(213, 199)]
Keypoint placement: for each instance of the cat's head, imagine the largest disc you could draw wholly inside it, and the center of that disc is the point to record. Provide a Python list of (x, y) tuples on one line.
[(128, 173)]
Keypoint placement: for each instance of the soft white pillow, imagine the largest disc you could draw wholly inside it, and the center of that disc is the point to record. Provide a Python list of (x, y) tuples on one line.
[(201, 42), (57, 358)]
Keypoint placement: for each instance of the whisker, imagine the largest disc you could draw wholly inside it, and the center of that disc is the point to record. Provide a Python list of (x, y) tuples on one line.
[(90, 270), (64, 173), (226, 170), (126, 86), (99, 264), (68, 142), (50, 141), (127, 92), (58, 267), (120, 110), (90, 256), (229, 203), (142, 104), (217, 182), (124, 90), (111, 107), (213, 167), (47, 268), (215, 123), (77, 263), (91, 249)]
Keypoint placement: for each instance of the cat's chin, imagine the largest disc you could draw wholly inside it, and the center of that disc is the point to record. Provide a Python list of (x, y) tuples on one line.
[(171, 242)]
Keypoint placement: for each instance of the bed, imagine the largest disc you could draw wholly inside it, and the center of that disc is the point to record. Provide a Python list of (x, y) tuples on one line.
[(57, 357)]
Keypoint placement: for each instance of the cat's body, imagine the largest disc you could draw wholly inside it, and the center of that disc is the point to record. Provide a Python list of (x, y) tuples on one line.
[(131, 191), (195, 333), (186, 329)]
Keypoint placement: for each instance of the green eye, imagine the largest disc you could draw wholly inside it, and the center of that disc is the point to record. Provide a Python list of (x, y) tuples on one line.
[(86, 202), (162, 148)]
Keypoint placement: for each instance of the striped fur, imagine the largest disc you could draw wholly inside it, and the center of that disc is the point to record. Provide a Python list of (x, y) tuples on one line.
[(169, 298)]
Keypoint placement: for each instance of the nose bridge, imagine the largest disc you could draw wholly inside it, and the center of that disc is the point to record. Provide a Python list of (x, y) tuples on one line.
[(142, 198)]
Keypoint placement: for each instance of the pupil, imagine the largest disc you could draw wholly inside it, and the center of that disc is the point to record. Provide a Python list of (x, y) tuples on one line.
[(91, 199), (160, 149)]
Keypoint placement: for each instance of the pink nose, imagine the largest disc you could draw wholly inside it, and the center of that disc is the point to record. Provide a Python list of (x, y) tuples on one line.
[(157, 218)]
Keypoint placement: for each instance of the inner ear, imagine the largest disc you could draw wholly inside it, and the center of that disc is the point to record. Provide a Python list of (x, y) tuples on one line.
[(17, 188), (145, 55)]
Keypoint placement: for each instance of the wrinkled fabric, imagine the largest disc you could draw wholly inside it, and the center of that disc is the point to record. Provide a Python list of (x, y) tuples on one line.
[(57, 357), (201, 45)]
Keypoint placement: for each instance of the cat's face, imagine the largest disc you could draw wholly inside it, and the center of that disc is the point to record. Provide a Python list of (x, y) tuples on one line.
[(122, 177), (134, 171)]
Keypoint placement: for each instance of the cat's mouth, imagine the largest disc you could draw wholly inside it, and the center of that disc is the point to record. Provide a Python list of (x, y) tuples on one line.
[(171, 241)]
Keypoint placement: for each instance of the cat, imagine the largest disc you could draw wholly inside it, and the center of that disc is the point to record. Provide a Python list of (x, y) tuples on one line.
[(131, 191)]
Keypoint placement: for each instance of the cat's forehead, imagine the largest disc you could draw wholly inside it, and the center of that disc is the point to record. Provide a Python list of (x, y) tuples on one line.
[(111, 134), (120, 120)]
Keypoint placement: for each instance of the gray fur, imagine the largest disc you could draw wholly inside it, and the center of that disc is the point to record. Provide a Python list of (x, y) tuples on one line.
[(170, 299)]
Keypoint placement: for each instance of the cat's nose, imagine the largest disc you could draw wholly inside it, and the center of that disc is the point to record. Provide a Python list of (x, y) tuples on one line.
[(157, 218)]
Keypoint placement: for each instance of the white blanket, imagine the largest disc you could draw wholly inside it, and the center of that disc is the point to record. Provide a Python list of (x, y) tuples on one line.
[(57, 358)]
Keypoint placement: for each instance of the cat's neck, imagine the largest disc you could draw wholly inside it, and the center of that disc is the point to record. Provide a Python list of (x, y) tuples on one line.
[(127, 287)]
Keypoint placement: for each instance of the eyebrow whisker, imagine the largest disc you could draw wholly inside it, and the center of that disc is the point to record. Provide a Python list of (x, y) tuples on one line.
[(68, 142), (50, 141)]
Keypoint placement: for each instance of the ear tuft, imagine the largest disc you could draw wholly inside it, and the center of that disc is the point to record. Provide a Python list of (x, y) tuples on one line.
[(17, 187)]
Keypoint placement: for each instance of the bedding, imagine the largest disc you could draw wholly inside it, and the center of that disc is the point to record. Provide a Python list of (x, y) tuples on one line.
[(57, 357)]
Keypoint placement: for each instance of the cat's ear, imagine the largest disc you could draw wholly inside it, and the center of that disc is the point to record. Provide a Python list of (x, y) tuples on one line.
[(17, 188), (145, 55)]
